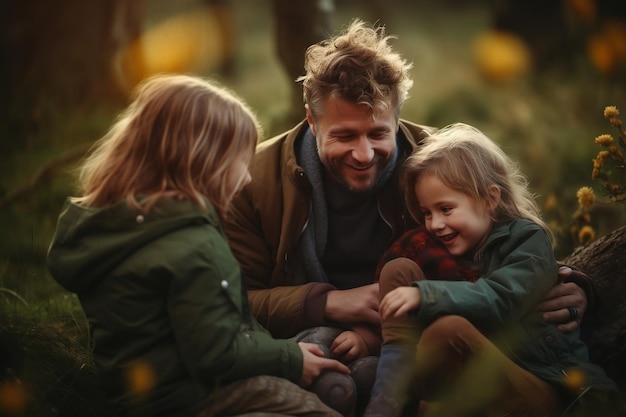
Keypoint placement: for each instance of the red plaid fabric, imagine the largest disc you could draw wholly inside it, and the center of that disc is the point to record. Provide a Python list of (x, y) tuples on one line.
[(430, 254)]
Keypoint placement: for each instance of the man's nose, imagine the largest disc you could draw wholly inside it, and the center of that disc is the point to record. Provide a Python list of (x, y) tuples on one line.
[(363, 150)]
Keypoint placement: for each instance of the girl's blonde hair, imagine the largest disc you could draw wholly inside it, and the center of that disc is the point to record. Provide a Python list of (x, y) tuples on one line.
[(177, 139), (466, 160)]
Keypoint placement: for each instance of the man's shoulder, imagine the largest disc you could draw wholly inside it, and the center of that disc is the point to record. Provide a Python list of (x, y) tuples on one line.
[(287, 137)]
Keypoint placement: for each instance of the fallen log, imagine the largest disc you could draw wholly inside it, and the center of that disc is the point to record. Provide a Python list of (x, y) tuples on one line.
[(605, 329)]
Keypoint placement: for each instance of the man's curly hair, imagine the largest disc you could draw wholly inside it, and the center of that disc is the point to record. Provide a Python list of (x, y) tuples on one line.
[(358, 65)]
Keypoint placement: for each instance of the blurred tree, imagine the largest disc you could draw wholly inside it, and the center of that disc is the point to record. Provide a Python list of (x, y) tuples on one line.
[(541, 24), (558, 31), (297, 25), (58, 55)]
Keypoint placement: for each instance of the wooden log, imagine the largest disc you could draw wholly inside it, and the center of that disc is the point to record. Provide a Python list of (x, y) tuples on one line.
[(605, 329)]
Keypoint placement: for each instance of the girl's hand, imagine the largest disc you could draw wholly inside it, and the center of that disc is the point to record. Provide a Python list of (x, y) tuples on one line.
[(348, 347), (314, 362), (399, 302)]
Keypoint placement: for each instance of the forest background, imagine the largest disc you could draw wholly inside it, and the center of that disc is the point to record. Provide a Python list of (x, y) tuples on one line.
[(69, 66)]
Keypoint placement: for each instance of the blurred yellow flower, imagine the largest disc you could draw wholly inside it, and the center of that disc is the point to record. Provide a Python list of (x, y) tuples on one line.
[(575, 379), (586, 235), (604, 140), (583, 10), (606, 47), (611, 111), (595, 172), (551, 202), (501, 57), (13, 398), (141, 378), (600, 159), (586, 197), (614, 150)]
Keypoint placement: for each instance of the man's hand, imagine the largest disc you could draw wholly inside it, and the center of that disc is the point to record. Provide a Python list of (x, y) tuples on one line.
[(559, 304), (348, 347), (314, 362), (355, 305)]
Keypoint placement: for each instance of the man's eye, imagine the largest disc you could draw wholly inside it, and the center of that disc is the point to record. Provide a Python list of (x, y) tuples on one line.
[(378, 135)]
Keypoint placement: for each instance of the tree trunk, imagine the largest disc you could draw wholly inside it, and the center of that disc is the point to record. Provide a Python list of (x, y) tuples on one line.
[(61, 54), (605, 262)]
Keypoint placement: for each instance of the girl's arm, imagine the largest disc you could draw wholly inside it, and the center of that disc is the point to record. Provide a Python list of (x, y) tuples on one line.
[(517, 274)]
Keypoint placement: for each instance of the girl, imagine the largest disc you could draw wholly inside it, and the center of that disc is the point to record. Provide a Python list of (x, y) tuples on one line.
[(463, 287), (144, 250)]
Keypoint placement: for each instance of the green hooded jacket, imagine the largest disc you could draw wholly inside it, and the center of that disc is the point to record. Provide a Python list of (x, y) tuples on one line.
[(518, 268), (163, 294)]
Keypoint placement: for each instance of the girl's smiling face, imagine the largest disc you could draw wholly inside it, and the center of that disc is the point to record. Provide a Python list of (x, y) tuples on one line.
[(459, 221)]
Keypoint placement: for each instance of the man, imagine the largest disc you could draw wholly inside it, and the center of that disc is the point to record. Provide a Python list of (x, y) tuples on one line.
[(325, 201)]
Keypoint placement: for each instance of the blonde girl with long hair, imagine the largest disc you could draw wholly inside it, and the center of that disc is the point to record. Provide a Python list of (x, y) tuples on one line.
[(142, 246), (458, 295)]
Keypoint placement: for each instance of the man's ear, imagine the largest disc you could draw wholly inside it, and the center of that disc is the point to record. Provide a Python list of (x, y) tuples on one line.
[(494, 197), (310, 119)]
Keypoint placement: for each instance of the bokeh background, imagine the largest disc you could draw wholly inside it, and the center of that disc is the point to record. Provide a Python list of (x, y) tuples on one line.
[(534, 75)]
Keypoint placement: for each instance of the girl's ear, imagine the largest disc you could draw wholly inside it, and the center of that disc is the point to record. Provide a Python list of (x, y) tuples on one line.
[(493, 198)]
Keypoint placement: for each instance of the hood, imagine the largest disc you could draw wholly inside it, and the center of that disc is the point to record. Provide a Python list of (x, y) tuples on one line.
[(88, 243)]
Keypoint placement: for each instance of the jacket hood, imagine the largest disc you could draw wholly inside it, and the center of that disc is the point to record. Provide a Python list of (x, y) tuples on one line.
[(88, 243)]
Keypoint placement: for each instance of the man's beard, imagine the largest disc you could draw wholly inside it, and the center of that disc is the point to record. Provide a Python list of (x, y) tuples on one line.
[(339, 176)]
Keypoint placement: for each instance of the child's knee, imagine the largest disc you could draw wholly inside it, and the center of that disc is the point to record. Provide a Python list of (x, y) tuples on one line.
[(399, 272), (448, 329)]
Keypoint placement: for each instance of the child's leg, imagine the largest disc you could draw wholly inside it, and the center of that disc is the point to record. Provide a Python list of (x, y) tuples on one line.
[(392, 393), (335, 389), (363, 373), (264, 395), (460, 369), (400, 272)]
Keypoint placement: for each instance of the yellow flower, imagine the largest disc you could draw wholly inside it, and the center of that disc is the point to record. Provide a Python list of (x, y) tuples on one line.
[(551, 202), (575, 379), (597, 163), (610, 111), (614, 121), (141, 378), (615, 151), (586, 197), (13, 398), (586, 235), (604, 140), (595, 172)]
